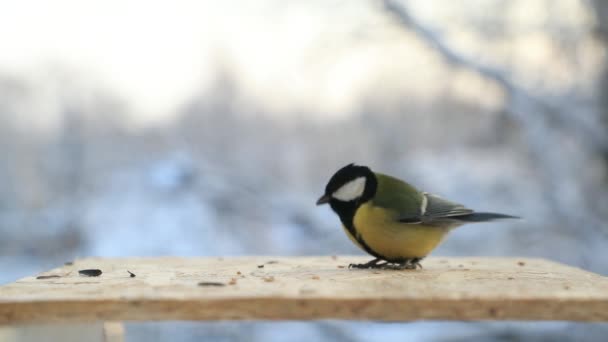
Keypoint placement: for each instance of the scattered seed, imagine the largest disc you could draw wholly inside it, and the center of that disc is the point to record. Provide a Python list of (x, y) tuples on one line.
[(48, 276), (316, 277), (510, 278), (90, 272), (341, 266), (232, 281), (521, 263), (269, 279), (260, 266), (211, 283), (131, 274)]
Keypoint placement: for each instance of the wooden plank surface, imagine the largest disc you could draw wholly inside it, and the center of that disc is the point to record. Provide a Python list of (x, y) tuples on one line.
[(305, 288)]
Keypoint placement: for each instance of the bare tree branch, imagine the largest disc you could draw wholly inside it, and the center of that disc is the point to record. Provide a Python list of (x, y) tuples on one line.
[(450, 55), (601, 14), (538, 121), (521, 102)]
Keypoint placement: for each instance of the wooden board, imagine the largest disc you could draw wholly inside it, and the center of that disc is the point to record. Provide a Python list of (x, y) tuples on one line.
[(306, 288)]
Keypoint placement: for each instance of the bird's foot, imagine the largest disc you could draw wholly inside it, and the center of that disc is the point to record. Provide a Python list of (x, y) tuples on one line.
[(399, 267), (416, 263), (371, 264), (408, 264)]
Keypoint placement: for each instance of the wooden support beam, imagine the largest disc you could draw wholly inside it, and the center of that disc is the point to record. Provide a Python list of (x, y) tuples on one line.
[(305, 288)]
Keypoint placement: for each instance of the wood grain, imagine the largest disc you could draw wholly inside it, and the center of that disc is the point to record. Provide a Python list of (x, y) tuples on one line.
[(306, 288)]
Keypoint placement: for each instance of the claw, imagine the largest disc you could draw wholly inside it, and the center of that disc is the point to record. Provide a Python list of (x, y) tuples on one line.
[(408, 264), (371, 264)]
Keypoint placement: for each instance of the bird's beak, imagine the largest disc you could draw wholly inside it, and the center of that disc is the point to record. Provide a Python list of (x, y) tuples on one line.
[(323, 200)]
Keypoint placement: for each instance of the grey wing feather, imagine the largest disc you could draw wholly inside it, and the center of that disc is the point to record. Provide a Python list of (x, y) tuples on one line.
[(436, 209)]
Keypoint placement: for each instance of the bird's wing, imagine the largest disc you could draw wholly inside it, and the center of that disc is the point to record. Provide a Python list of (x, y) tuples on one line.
[(414, 207), (435, 209)]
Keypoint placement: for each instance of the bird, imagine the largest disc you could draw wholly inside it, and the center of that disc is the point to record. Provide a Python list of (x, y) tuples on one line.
[(392, 220)]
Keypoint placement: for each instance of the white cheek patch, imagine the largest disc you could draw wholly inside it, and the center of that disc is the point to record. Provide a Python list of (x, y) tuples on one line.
[(351, 190)]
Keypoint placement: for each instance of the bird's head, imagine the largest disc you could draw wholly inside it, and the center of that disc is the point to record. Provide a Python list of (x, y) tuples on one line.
[(352, 184)]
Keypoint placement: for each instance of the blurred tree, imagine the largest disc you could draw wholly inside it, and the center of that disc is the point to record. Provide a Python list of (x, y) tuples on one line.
[(550, 130), (601, 29)]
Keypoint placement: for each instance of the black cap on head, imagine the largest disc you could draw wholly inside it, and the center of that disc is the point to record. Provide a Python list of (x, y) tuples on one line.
[(347, 174)]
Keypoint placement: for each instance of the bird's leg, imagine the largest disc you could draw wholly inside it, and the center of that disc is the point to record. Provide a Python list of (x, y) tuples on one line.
[(370, 264)]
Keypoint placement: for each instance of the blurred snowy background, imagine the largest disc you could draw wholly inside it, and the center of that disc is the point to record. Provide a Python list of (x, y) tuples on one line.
[(200, 128)]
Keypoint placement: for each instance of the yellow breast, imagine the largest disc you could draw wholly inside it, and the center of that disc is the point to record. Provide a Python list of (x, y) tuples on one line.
[(392, 239)]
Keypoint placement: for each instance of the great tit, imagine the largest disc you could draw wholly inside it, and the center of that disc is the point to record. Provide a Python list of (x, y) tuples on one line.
[(392, 220)]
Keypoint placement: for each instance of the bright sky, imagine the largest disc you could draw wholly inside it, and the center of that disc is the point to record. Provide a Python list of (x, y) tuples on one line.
[(320, 56), (156, 54)]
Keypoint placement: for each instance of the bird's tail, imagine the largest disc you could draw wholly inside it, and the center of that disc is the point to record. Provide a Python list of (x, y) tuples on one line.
[(483, 217)]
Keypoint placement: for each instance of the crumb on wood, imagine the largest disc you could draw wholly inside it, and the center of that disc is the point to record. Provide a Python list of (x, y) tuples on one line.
[(93, 272), (232, 281), (48, 276), (268, 279), (316, 277), (131, 274), (211, 283), (521, 263), (238, 272)]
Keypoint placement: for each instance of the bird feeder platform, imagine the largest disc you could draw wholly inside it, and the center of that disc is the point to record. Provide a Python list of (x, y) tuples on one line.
[(304, 288)]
